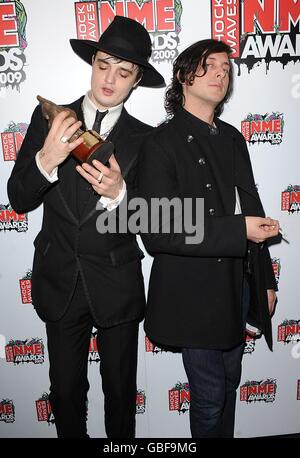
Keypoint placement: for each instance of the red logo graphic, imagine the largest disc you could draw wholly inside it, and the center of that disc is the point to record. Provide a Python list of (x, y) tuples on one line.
[(140, 401), (276, 268), (7, 411), (12, 139), (290, 199), (258, 391), (13, 20), (93, 349), (25, 351), (289, 331), (160, 17), (151, 347), (298, 390), (44, 410), (266, 128), (25, 287), (249, 345), (179, 397), (12, 221), (226, 24), (258, 30)]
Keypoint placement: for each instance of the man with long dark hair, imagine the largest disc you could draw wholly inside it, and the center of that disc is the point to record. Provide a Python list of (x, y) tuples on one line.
[(201, 294)]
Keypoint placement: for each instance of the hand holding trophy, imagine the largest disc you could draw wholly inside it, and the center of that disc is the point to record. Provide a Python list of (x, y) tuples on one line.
[(92, 147)]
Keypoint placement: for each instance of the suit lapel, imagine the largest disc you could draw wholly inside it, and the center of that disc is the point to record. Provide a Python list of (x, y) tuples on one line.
[(124, 152), (67, 189), (123, 138), (67, 174)]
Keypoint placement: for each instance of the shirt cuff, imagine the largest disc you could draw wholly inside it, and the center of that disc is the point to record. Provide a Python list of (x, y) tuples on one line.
[(50, 177), (111, 204)]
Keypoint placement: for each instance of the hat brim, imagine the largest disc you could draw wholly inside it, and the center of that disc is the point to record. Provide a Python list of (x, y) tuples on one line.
[(87, 48)]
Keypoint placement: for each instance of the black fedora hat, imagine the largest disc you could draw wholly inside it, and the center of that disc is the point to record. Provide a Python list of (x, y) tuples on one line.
[(126, 39)]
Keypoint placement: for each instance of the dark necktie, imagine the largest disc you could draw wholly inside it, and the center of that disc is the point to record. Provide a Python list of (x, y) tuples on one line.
[(83, 187), (98, 119)]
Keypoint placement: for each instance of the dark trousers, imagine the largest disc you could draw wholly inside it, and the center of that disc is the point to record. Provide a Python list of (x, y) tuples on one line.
[(214, 376), (68, 346)]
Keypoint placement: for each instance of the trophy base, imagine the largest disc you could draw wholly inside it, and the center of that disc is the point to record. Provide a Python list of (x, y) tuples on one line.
[(93, 147), (102, 153)]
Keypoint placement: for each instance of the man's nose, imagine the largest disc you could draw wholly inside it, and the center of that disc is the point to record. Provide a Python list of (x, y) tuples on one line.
[(110, 75), (220, 72)]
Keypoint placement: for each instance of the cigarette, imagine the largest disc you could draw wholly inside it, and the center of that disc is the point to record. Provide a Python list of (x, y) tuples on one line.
[(283, 235)]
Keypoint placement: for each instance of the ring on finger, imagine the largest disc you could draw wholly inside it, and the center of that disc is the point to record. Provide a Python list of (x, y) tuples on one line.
[(100, 177), (64, 139)]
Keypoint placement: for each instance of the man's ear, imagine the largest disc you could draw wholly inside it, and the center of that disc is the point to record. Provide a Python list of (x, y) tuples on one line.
[(178, 77), (137, 82)]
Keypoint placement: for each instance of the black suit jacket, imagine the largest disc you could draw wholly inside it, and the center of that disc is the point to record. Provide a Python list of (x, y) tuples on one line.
[(68, 243), (195, 290)]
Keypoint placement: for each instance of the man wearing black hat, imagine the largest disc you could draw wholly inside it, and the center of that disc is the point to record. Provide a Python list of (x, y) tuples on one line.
[(81, 278)]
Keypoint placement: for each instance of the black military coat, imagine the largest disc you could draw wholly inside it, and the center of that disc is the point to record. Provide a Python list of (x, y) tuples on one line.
[(195, 290)]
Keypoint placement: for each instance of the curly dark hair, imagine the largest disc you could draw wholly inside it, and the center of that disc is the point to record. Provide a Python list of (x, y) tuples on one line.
[(184, 71)]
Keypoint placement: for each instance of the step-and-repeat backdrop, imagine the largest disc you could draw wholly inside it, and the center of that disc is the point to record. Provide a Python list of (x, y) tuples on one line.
[(36, 58)]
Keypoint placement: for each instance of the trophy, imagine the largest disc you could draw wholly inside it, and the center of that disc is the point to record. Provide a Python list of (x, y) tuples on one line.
[(92, 147)]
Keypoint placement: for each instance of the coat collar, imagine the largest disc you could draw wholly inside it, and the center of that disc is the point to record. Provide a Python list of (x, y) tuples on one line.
[(198, 127), (196, 124)]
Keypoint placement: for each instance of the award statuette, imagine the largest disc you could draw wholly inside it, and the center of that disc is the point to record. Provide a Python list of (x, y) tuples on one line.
[(93, 146)]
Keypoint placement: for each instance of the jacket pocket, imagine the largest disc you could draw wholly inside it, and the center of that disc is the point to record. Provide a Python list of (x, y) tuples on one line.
[(124, 254), (42, 243)]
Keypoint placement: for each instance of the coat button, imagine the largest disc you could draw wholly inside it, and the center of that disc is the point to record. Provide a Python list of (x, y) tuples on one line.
[(211, 211), (208, 186), (201, 161), (190, 138)]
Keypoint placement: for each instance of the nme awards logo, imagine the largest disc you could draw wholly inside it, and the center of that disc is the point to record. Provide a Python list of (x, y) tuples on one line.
[(266, 128), (140, 401), (290, 199), (258, 30), (276, 268), (25, 287), (179, 397), (7, 411), (93, 356), (258, 391), (12, 139), (44, 410), (249, 345), (13, 42), (12, 221), (160, 17), (24, 351), (289, 331)]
